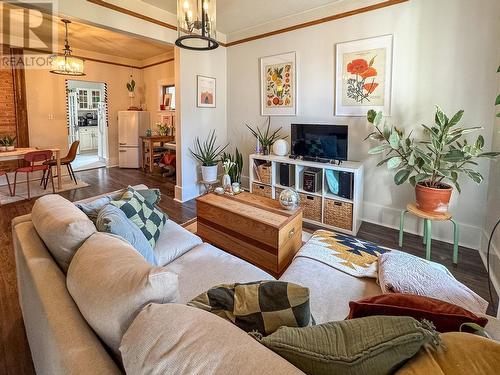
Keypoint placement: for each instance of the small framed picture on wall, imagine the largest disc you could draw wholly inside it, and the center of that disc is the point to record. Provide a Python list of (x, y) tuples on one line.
[(205, 91), (279, 85), (363, 76)]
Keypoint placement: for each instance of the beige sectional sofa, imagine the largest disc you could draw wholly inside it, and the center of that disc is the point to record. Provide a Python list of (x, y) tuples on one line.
[(62, 342)]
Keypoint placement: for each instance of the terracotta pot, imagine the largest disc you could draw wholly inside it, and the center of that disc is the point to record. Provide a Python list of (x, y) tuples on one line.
[(434, 200)]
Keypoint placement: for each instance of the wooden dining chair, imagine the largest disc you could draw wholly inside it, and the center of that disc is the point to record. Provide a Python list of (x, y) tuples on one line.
[(67, 160), (3, 173), (33, 158)]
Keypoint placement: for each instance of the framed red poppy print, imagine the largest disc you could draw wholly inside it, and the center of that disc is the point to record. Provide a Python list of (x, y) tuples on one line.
[(278, 85), (363, 76)]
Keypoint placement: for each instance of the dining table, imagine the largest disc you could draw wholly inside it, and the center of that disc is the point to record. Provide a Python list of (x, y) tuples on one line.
[(19, 153)]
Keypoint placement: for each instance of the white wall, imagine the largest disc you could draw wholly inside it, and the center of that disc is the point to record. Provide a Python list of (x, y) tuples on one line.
[(438, 59), (196, 121)]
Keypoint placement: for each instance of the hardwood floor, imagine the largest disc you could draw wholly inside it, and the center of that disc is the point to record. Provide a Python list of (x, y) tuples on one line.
[(15, 357)]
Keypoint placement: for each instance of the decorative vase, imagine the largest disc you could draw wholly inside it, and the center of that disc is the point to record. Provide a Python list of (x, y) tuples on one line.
[(11, 148), (3, 148), (433, 200), (289, 199), (265, 150), (226, 181), (209, 173), (280, 147)]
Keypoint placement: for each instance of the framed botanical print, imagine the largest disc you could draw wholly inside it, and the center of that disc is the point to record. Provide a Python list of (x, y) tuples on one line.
[(363, 76), (205, 92), (279, 85)]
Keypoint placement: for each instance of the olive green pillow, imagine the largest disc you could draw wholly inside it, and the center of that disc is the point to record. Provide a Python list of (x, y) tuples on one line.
[(375, 345)]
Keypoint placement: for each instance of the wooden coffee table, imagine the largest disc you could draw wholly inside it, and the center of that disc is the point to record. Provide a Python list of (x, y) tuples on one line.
[(253, 228)]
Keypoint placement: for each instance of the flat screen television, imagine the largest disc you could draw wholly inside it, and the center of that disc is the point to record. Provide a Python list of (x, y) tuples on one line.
[(315, 141)]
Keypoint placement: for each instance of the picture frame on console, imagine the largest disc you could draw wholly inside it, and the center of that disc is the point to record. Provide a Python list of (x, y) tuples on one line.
[(363, 76), (206, 91), (279, 85)]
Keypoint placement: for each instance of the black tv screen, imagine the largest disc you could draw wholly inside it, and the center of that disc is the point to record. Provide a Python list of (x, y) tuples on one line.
[(319, 141)]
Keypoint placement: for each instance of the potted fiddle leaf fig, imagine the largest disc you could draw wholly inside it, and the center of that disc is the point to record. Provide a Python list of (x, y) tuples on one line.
[(208, 154), (429, 164)]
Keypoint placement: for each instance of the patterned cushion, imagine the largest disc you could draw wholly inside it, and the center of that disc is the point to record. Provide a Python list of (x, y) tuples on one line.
[(261, 306), (148, 218)]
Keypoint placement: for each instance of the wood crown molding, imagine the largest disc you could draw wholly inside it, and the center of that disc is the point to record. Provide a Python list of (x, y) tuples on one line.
[(103, 61), (334, 17)]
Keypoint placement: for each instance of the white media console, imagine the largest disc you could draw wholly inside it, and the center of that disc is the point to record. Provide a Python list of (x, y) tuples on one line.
[(322, 208)]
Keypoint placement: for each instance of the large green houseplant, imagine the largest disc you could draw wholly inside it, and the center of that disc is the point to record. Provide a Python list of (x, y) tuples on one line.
[(208, 154), (430, 163)]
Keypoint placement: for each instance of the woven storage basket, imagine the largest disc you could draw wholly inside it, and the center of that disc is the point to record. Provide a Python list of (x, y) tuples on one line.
[(277, 192), (262, 190), (338, 214), (311, 205), (265, 173)]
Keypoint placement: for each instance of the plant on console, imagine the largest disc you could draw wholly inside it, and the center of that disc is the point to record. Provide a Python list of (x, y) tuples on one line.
[(444, 156), (237, 167), (266, 138)]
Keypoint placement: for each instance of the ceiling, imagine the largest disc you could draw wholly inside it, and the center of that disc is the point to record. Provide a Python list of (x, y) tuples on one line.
[(238, 15), (108, 42), (96, 39)]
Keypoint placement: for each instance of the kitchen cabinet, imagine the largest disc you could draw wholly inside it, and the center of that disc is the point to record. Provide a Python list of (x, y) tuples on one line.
[(89, 98), (88, 138)]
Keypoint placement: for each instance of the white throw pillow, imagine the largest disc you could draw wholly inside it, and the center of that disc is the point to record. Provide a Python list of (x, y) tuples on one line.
[(111, 282), (400, 272), (62, 227), (178, 339)]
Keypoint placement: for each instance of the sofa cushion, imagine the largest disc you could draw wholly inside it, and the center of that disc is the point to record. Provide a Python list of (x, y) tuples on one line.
[(445, 316), (62, 227), (147, 217), (113, 220), (111, 282), (260, 306), (174, 241), (401, 272), (181, 340), (376, 345), (330, 289), (461, 354), (206, 266)]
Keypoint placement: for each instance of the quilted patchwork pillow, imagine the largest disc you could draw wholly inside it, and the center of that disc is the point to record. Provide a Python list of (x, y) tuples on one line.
[(147, 217), (261, 306)]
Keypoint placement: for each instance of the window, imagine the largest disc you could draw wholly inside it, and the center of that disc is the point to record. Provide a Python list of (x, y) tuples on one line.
[(169, 90)]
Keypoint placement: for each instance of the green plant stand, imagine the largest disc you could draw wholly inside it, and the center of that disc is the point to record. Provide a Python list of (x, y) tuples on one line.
[(428, 219)]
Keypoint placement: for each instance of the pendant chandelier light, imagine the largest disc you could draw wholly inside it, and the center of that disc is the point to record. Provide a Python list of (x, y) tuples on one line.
[(196, 25), (66, 64)]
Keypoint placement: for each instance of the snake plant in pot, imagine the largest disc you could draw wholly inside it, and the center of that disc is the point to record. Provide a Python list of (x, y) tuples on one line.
[(430, 163), (208, 154)]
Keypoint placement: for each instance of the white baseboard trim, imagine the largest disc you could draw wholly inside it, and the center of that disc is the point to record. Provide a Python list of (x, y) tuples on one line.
[(470, 236), (183, 194), (494, 256)]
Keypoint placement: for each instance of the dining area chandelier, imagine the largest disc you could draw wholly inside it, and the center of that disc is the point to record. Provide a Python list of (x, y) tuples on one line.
[(196, 25)]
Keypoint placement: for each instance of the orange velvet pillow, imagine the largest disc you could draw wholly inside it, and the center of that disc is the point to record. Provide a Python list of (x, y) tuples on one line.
[(446, 317), (460, 354)]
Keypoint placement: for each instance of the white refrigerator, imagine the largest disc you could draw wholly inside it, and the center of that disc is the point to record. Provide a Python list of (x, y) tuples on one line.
[(131, 125)]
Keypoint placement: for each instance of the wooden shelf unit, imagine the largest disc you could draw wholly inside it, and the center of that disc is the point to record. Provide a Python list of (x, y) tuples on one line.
[(356, 168)]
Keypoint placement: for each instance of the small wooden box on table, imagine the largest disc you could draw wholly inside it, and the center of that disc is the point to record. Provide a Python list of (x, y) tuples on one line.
[(253, 228)]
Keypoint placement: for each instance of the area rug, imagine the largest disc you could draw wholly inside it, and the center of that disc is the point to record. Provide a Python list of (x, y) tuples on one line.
[(36, 190), (192, 226), (343, 252)]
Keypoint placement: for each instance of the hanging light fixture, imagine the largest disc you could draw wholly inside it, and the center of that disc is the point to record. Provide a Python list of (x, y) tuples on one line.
[(66, 64), (196, 25)]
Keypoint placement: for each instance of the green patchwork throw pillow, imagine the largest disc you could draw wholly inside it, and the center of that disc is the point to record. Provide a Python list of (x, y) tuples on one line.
[(376, 345), (261, 306), (147, 217)]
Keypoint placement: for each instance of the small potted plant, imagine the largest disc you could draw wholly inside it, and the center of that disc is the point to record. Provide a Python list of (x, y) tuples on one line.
[(227, 165), (3, 148), (427, 164), (266, 138), (131, 92), (208, 154), (8, 143), (237, 168)]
